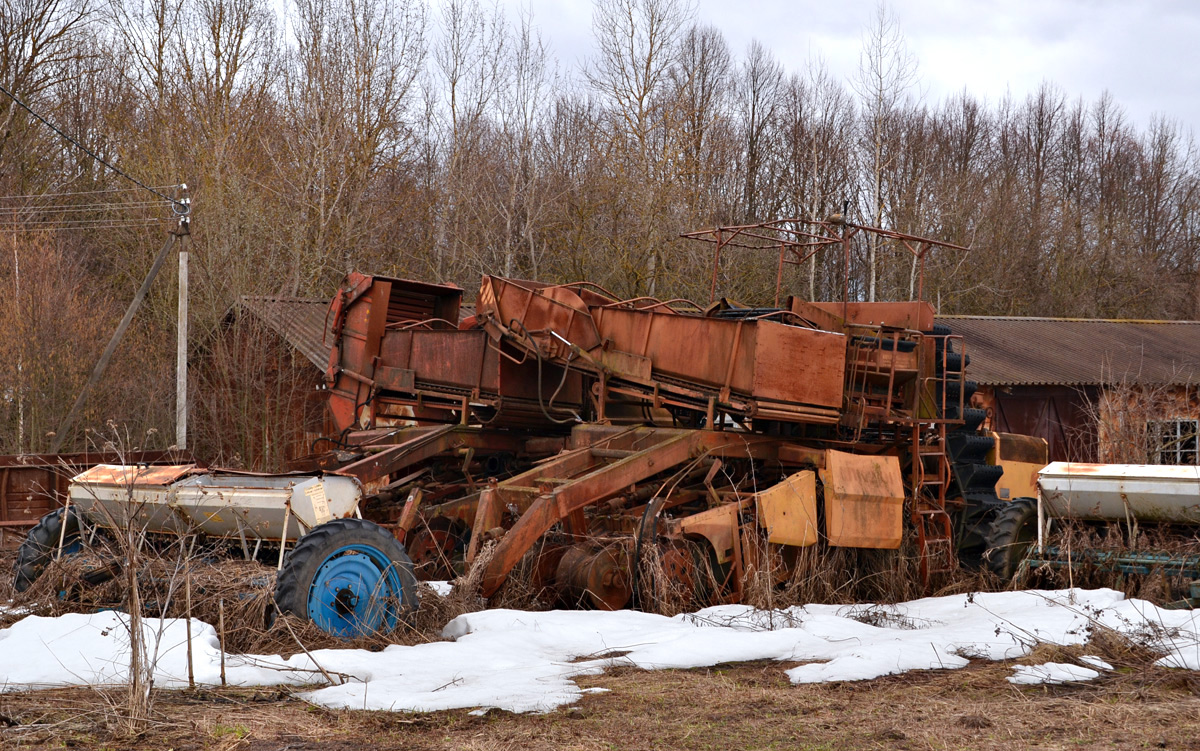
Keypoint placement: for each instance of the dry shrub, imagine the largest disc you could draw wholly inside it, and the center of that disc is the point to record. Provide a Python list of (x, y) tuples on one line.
[(838, 576), (1125, 410), (1161, 585), (8, 560), (658, 592), (525, 587), (1121, 650), (780, 577)]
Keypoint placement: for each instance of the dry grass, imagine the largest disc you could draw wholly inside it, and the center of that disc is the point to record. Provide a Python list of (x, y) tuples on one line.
[(745, 706)]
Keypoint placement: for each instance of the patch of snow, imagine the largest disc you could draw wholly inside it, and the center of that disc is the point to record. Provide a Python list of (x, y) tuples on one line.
[(1051, 672), (527, 662), (440, 588), (1095, 662)]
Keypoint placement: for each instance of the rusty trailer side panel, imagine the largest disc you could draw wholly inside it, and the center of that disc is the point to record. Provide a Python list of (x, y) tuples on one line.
[(778, 367)]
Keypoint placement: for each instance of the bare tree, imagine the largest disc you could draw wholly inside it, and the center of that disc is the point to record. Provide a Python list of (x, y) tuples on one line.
[(348, 88), (637, 44), (469, 70), (149, 31), (887, 73), (758, 91), (36, 38), (701, 78), (525, 102)]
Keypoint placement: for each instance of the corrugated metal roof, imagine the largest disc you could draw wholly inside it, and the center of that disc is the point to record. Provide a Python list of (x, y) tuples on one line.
[(1009, 351), (302, 323)]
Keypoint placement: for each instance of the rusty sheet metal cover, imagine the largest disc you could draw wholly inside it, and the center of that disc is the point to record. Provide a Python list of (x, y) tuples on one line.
[(864, 500), (464, 362), (361, 314), (915, 315), (789, 510), (792, 364), (540, 309), (127, 475), (762, 359)]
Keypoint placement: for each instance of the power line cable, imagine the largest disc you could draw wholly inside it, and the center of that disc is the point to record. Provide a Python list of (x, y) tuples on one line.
[(11, 224), (181, 208), (83, 192), (64, 227), (16, 210)]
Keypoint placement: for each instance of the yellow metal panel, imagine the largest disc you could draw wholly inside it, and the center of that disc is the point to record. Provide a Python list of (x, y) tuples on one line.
[(864, 500), (717, 525), (1022, 457), (789, 510)]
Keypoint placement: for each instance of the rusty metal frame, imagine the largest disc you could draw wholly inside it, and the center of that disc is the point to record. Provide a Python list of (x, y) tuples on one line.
[(802, 245)]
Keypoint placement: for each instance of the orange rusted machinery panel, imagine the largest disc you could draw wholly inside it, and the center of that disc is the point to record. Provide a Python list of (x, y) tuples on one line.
[(129, 475), (536, 309), (399, 354), (753, 359), (1022, 457), (793, 364), (718, 525), (758, 359), (788, 510), (864, 500), (362, 311)]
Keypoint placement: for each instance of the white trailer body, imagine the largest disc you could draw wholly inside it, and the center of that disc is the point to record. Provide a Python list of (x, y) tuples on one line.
[(182, 499)]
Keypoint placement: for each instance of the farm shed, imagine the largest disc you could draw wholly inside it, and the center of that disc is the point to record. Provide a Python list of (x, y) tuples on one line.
[(258, 400), (1096, 390)]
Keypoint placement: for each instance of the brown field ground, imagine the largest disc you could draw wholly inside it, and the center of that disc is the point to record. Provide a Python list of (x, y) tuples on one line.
[(741, 706)]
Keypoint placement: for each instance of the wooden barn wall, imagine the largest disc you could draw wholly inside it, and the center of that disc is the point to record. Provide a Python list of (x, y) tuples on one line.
[(1059, 414)]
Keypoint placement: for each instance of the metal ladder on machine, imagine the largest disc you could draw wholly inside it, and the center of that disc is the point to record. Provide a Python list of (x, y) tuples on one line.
[(930, 476), (935, 533)]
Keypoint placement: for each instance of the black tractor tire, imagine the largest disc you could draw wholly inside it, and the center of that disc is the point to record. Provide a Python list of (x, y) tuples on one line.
[(41, 543), (973, 418), (350, 577), (1012, 534)]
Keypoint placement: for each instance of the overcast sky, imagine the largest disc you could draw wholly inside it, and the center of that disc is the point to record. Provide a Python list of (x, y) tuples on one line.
[(1143, 51)]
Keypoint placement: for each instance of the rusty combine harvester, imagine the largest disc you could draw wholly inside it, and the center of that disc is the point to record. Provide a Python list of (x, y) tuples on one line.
[(572, 435), (576, 434)]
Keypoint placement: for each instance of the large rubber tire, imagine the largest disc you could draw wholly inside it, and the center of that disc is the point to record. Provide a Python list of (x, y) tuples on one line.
[(1012, 534), (41, 545), (350, 577)]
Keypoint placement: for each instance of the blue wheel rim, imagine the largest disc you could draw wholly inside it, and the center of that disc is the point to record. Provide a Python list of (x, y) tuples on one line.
[(357, 592)]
